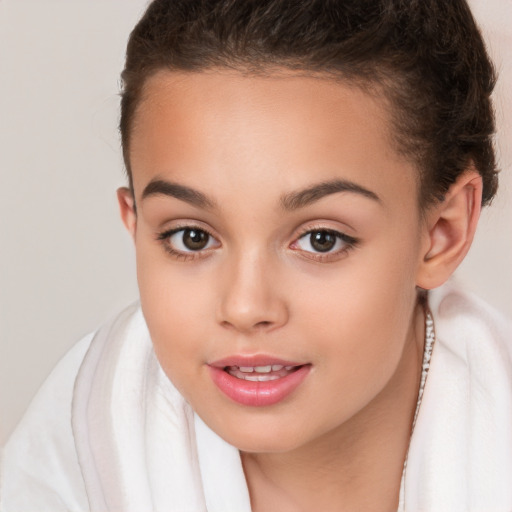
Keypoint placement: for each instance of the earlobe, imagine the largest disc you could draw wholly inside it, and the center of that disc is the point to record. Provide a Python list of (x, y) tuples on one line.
[(451, 226), (127, 209)]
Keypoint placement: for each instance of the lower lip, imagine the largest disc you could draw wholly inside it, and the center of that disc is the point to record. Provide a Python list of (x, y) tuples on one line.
[(258, 394)]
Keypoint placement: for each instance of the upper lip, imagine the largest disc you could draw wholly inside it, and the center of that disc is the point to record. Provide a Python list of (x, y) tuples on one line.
[(252, 360)]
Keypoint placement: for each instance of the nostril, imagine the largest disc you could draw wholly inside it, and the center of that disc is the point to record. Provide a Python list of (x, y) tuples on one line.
[(259, 325), (263, 324)]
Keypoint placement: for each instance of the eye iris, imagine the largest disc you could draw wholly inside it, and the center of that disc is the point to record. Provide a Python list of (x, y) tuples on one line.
[(195, 239), (322, 241)]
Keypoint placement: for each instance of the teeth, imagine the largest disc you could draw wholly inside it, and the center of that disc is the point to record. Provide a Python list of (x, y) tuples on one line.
[(260, 378), (263, 369), (259, 373)]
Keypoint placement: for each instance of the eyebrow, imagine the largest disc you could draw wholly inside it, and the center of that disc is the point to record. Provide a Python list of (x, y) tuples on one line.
[(302, 198), (189, 195), (291, 201)]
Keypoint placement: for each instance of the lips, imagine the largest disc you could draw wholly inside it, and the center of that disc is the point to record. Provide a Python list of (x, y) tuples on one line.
[(259, 380), (261, 373)]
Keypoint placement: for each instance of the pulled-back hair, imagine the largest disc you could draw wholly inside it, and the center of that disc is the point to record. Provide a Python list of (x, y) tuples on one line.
[(426, 57)]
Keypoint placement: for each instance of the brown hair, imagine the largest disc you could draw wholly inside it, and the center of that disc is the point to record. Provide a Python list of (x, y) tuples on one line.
[(426, 56)]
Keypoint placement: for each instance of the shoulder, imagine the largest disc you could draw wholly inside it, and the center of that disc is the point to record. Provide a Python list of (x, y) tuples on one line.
[(41, 449), (40, 469), (459, 456), (465, 323)]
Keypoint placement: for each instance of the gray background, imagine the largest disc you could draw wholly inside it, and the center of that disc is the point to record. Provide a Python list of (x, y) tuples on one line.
[(66, 264)]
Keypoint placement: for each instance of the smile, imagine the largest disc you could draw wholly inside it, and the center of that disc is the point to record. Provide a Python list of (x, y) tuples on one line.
[(260, 373), (263, 383)]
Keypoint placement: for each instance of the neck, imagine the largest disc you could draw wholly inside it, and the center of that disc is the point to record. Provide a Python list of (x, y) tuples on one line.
[(357, 466)]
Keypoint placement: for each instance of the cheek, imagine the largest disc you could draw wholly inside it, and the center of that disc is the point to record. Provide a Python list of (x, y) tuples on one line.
[(174, 306), (362, 314)]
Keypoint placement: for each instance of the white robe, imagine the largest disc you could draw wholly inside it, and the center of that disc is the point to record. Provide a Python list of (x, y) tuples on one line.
[(108, 432)]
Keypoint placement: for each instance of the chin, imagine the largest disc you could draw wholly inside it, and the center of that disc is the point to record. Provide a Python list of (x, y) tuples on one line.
[(265, 446), (262, 440)]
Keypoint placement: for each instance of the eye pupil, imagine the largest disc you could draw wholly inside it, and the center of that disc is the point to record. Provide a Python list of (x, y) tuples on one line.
[(195, 239), (322, 241)]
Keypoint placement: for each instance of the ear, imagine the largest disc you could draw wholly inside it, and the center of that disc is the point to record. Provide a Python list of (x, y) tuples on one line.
[(449, 232), (127, 209)]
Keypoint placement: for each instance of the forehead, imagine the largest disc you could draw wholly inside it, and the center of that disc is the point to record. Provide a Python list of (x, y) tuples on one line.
[(285, 129)]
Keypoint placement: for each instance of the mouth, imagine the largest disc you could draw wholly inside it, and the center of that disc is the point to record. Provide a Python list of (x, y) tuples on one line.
[(258, 382), (261, 373)]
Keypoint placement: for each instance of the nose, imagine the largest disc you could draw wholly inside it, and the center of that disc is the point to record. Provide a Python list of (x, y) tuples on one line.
[(252, 299)]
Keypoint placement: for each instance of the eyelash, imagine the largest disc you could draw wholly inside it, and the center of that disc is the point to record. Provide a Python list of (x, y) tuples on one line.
[(163, 238), (348, 241)]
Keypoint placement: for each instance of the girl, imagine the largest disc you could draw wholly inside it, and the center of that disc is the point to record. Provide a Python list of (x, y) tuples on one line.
[(300, 176)]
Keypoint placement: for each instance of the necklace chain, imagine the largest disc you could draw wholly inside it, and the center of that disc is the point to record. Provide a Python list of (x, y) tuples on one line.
[(427, 354), (430, 338)]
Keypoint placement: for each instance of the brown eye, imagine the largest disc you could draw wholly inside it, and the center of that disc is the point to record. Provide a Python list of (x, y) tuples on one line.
[(189, 240), (195, 239), (322, 241)]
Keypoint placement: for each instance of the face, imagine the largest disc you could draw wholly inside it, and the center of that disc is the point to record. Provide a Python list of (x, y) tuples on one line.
[(278, 241)]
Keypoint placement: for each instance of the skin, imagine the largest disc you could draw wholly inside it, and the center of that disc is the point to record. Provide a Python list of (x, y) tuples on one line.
[(339, 441)]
